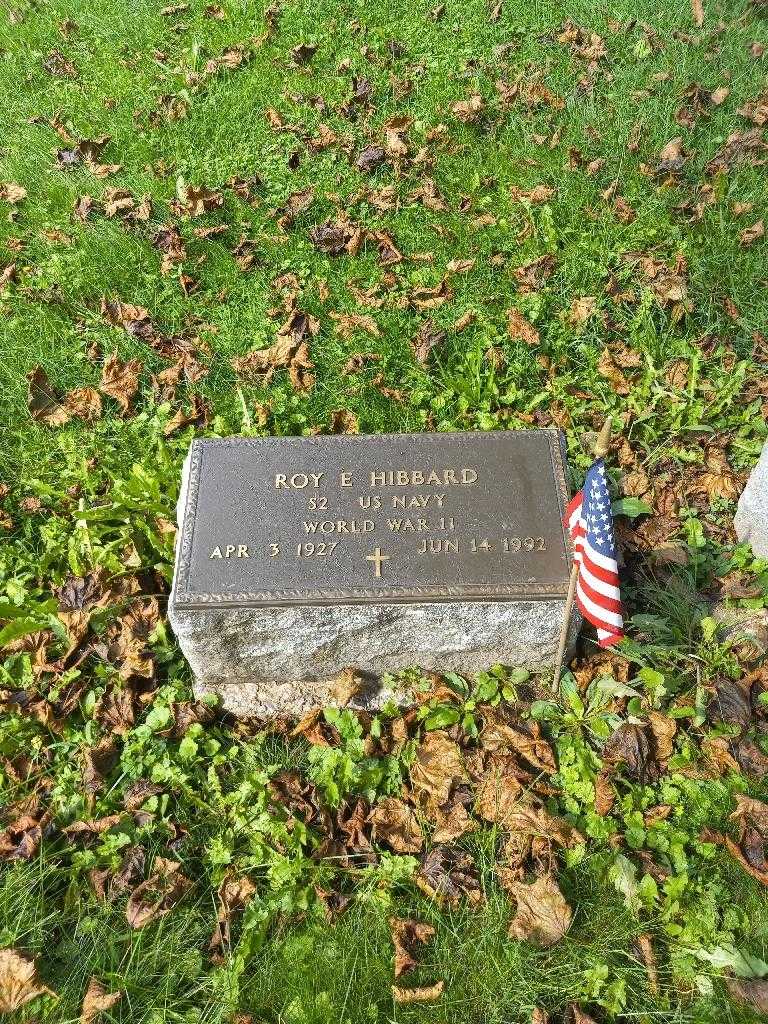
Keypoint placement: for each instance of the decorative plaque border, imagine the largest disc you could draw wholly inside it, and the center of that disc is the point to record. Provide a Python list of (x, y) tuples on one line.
[(184, 599)]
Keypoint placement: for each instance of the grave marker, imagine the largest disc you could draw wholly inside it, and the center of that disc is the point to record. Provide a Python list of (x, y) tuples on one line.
[(299, 557)]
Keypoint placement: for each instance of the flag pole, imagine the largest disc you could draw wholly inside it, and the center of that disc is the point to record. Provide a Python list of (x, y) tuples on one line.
[(602, 444)]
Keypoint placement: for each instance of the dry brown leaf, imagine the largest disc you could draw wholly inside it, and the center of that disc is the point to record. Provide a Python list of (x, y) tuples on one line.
[(607, 368), (303, 53), (57, 64), (128, 639), (97, 1000), (677, 374), (334, 903), (756, 110), (757, 871), (12, 193), (529, 92), (718, 480), (19, 983), (84, 403), (84, 831), (396, 824), (522, 738), (645, 945), (448, 875), (120, 202), (98, 761), (120, 380), (406, 935), (738, 148), (543, 915), (672, 158), (395, 143), (581, 310), (469, 111), (583, 42), (628, 745), (427, 337), (44, 401), (574, 1015), (464, 321), (525, 819), (751, 759), (605, 795), (158, 895), (663, 729), (115, 710), (234, 894), (230, 57), (344, 421), (452, 820), (697, 10), (290, 350), (296, 203), (535, 196), (460, 266), (7, 275), (103, 170), (752, 234), (430, 197), (337, 236), (497, 794), (424, 994), (358, 360), (199, 411), (389, 255), (520, 329), (347, 683), (134, 320), (348, 324), (622, 211), (168, 241), (22, 837), (438, 767), (194, 201), (370, 159), (324, 139)]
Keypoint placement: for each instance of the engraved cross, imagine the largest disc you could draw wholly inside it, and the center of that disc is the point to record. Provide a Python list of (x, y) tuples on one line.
[(377, 557)]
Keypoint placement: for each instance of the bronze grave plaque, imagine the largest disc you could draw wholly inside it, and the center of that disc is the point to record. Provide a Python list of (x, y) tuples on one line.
[(350, 519)]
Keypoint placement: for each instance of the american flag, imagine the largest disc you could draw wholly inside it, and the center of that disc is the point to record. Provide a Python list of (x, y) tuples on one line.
[(590, 523)]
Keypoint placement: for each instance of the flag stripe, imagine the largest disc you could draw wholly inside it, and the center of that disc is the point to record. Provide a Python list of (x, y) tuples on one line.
[(598, 559), (608, 639), (597, 614), (597, 572), (603, 605), (609, 591), (574, 505)]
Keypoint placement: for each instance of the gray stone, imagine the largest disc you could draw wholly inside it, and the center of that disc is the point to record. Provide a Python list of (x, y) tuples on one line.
[(268, 661), (272, 661), (743, 626), (751, 519)]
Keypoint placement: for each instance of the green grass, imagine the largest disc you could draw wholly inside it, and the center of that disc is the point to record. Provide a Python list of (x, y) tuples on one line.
[(310, 972), (53, 314), (297, 969)]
